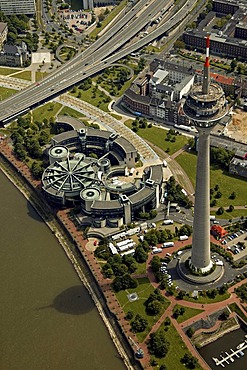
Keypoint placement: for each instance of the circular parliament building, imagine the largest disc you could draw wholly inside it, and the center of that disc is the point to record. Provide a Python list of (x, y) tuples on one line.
[(96, 170)]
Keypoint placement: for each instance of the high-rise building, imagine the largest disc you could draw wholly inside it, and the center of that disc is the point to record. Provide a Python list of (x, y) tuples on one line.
[(88, 4), (204, 107), (9, 7)]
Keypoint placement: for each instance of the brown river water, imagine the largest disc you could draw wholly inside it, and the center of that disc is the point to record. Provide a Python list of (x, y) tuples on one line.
[(47, 318)]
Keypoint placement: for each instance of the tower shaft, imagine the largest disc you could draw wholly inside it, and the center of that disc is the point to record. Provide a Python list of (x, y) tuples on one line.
[(200, 255)]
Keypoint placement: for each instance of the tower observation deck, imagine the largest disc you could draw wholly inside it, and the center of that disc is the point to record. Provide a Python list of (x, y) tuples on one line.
[(204, 106)]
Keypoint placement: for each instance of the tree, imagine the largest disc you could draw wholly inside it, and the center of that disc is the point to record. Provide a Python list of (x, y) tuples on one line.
[(218, 195), (11, 38), (224, 315), (155, 263), (190, 332), (179, 44), (181, 311), (212, 293), (167, 321), (119, 269), (43, 138), (124, 282), (139, 324), (213, 203), (220, 211), (153, 213), (20, 151), (231, 208), (129, 315), (33, 148), (163, 367), (176, 313), (151, 237), (108, 273), (17, 138), (37, 170), (140, 255), (189, 361), (153, 308), (158, 344), (233, 195), (185, 230), (181, 294), (233, 64), (216, 188)]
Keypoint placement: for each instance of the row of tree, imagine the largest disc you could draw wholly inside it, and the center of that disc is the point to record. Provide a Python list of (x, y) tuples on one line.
[(175, 193), (28, 139), (115, 264), (18, 30)]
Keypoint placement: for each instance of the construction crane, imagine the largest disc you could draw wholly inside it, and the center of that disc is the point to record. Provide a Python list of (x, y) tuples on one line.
[(139, 352)]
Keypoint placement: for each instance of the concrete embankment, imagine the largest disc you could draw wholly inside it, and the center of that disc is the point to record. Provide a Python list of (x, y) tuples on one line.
[(74, 255)]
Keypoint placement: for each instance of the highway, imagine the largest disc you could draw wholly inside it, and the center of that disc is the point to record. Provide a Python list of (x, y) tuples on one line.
[(100, 55)]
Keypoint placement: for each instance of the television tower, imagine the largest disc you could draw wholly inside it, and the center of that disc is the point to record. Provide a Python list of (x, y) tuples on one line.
[(204, 107)]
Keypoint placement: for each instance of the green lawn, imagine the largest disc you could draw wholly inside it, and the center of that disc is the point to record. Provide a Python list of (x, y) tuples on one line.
[(108, 82), (93, 96), (234, 308), (230, 215), (71, 112), (141, 269), (176, 350), (25, 75), (227, 183), (67, 53), (116, 116), (144, 289), (206, 300), (40, 75), (120, 92), (189, 312), (46, 111), (157, 136), (188, 162), (6, 93), (8, 71)]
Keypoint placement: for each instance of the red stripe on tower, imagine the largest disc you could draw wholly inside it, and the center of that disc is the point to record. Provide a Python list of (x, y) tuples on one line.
[(207, 64)]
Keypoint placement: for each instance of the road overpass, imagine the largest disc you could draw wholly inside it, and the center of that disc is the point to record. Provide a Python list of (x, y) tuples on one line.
[(100, 55)]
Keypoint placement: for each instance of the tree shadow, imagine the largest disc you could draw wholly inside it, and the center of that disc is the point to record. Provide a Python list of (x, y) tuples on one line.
[(73, 301)]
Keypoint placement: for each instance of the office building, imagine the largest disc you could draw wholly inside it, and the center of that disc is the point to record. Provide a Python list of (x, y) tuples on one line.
[(9, 7)]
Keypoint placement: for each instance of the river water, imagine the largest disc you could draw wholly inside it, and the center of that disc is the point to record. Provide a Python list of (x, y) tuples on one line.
[(222, 345), (47, 318)]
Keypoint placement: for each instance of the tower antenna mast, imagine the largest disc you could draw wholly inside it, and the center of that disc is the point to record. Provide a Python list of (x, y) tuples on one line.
[(206, 72)]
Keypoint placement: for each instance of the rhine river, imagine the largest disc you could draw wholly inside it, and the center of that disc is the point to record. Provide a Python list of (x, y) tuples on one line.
[(47, 318)]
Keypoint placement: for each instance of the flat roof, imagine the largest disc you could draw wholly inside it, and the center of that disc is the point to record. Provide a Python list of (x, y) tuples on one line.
[(141, 195), (125, 144), (74, 122)]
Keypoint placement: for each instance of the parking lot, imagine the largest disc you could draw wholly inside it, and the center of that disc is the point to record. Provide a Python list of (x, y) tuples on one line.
[(236, 244)]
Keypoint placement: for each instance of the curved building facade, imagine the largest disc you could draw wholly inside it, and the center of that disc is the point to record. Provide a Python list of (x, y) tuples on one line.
[(88, 167)]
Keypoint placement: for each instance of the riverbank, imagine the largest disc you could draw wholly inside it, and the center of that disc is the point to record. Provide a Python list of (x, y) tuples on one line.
[(30, 191), (204, 338)]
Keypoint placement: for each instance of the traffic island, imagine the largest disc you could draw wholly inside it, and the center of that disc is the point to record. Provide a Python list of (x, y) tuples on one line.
[(186, 273)]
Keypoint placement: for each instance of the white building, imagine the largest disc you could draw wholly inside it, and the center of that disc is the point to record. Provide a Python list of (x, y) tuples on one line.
[(9, 7)]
